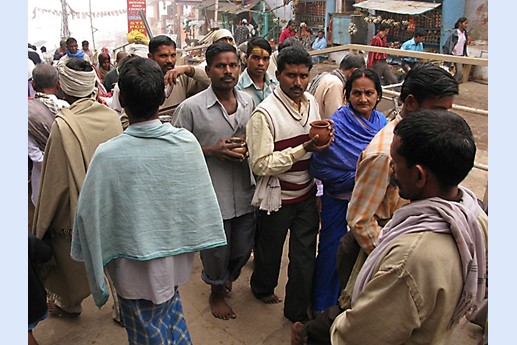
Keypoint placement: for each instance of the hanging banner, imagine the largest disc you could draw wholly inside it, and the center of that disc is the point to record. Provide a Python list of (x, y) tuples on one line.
[(134, 21), (75, 14)]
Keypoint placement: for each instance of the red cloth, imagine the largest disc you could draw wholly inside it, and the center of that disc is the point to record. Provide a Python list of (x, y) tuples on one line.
[(377, 41), (286, 34)]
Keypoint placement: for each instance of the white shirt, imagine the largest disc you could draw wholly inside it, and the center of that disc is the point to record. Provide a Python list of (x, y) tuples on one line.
[(458, 48), (153, 280)]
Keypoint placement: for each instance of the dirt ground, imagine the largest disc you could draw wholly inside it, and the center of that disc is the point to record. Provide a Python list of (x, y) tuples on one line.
[(256, 323)]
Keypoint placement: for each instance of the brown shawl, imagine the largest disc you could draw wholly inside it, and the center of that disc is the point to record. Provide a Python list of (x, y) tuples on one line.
[(74, 137)]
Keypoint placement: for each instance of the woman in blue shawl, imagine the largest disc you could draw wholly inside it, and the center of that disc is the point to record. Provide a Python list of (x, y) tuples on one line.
[(355, 126)]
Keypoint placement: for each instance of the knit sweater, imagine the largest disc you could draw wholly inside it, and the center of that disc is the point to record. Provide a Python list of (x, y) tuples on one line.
[(275, 134)]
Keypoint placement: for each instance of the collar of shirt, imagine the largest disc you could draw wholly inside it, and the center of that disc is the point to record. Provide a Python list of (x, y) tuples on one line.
[(147, 123), (245, 80), (212, 99), (304, 101)]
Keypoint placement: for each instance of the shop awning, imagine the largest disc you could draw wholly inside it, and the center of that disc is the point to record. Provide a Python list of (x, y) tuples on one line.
[(230, 7), (398, 6)]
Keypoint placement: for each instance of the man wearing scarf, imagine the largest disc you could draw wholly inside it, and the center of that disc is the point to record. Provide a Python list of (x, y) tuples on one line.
[(164, 210), (74, 136), (72, 51), (429, 267), (42, 110)]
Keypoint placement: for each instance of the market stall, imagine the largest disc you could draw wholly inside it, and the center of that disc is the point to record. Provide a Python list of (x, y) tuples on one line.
[(436, 17)]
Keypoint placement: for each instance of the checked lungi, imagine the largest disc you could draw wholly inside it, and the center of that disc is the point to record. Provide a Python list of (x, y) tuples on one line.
[(147, 323)]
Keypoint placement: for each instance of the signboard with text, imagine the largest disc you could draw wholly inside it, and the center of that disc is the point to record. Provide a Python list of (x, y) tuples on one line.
[(134, 22)]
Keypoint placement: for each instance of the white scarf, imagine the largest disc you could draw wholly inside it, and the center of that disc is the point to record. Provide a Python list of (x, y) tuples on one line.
[(76, 83)]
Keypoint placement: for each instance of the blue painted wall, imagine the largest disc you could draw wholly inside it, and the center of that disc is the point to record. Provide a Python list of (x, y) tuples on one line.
[(451, 11), (331, 8)]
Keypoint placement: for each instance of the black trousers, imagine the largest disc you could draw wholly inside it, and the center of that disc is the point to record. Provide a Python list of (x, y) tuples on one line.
[(302, 222)]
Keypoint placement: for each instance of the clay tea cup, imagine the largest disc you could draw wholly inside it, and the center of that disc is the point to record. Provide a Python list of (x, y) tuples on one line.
[(238, 140), (322, 128)]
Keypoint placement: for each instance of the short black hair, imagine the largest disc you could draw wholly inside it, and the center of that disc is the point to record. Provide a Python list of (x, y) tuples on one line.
[(85, 42), (384, 26), (141, 87), (258, 42), (290, 42), (440, 140), (79, 65), (70, 40), (420, 33), (215, 48), (159, 40), (425, 81), (293, 56)]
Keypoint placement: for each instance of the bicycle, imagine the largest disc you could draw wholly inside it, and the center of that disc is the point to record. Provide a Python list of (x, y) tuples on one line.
[(394, 97)]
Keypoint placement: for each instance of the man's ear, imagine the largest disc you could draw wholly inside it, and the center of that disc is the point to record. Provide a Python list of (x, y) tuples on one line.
[(422, 176), (411, 104), (163, 99), (121, 99)]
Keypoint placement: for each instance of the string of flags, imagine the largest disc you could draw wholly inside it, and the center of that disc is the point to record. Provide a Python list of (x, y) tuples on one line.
[(79, 15)]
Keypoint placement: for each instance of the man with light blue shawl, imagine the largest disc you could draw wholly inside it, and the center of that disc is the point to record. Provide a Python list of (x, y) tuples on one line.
[(355, 125), (147, 205)]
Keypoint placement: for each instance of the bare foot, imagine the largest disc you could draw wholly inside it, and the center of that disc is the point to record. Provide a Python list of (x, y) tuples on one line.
[(271, 299), (228, 285), (220, 309), (54, 309), (297, 336)]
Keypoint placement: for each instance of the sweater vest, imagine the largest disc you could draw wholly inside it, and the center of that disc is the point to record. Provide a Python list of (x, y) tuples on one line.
[(290, 128)]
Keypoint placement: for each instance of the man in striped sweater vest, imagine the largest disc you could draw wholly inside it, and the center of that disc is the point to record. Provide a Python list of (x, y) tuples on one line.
[(280, 150)]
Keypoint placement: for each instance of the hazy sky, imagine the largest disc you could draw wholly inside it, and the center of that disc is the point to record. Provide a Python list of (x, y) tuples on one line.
[(45, 28)]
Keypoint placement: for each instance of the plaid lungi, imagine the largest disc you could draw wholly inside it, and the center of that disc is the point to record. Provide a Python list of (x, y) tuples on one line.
[(149, 324)]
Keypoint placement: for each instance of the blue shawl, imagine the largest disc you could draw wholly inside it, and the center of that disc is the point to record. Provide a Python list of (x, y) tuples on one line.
[(78, 55), (147, 194), (336, 166)]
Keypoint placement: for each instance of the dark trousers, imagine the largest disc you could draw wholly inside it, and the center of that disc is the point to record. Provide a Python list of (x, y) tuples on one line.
[(346, 256), (317, 331), (407, 65), (385, 72), (225, 263), (302, 220)]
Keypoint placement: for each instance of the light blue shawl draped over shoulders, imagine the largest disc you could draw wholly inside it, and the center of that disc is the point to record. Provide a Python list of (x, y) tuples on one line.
[(147, 194)]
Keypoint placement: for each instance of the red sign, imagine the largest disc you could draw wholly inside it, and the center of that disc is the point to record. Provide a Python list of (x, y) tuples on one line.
[(134, 21)]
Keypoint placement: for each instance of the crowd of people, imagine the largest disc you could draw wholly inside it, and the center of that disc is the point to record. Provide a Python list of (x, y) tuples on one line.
[(385, 245)]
